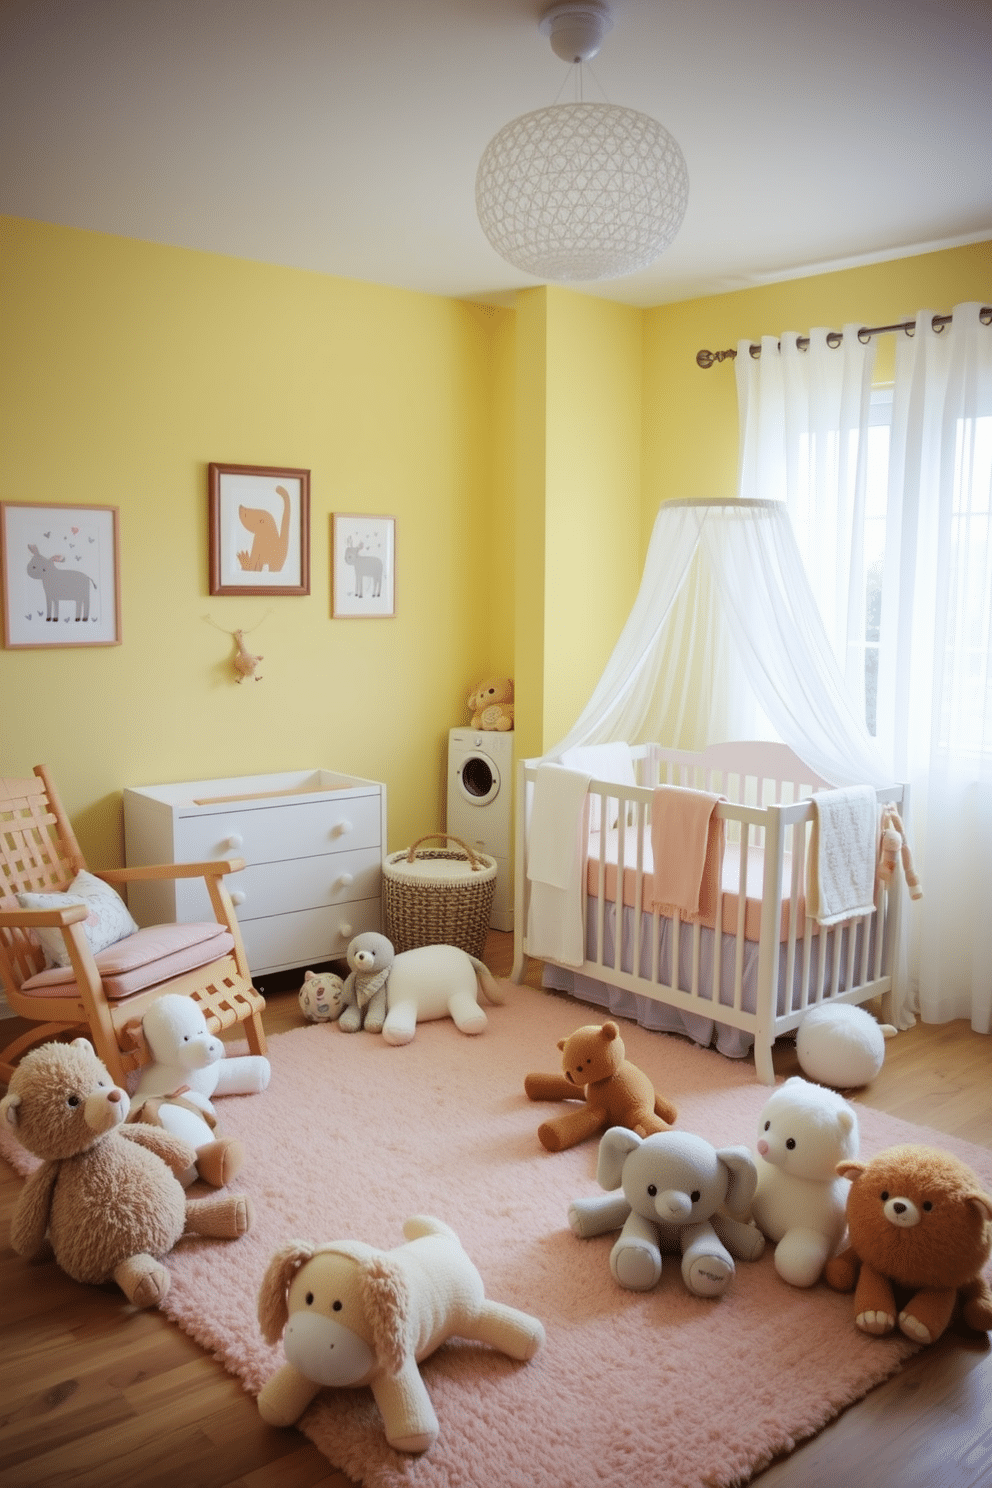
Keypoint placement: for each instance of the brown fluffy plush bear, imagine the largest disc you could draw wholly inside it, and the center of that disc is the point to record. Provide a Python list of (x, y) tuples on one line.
[(492, 704), (615, 1092), (107, 1196), (919, 1226)]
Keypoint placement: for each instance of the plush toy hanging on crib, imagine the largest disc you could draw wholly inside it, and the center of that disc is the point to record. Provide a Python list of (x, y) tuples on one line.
[(894, 846)]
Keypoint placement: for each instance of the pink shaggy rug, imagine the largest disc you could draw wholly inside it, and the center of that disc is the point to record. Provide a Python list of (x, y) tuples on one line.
[(353, 1136)]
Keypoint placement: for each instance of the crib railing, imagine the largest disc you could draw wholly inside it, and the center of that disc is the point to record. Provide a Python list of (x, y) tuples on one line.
[(768, 819)]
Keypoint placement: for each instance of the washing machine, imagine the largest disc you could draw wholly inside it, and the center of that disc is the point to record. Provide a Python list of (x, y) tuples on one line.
[(480, 805)]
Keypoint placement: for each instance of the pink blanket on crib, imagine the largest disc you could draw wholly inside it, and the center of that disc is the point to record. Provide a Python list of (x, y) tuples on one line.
[(687, 845)]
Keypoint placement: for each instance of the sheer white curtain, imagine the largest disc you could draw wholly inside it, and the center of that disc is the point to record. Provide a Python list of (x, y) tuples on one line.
[(803, 418), (804, 422), (935, 654)]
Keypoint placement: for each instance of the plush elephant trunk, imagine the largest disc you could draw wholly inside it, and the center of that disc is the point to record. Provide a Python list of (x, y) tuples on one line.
[(673, 1206)]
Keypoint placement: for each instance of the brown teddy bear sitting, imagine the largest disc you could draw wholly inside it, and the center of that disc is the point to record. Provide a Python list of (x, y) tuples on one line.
[(492, 705), (918, 1223), (107, 1196), (615, 1092)]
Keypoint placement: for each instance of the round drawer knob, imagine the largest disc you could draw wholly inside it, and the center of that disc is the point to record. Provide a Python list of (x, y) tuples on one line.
[(345, 880), (340, 828), (238, 896), (344, 931), (235, 840)]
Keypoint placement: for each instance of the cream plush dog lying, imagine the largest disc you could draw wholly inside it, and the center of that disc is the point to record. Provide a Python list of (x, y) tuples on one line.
[(357, 1316)]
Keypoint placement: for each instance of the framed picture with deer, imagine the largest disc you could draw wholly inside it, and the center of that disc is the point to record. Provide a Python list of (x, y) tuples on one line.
[(363, 578), (259, 529), (60, 569)]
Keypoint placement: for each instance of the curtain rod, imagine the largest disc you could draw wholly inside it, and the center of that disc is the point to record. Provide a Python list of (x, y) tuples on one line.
[(834, 338)]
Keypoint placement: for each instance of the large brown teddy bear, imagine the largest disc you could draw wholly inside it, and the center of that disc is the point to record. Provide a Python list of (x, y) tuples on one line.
[(107, 1196), (615, 1092), (918, 1225)]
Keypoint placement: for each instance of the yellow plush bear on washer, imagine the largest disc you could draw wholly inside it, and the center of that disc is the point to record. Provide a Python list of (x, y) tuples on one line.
[(492, 704)]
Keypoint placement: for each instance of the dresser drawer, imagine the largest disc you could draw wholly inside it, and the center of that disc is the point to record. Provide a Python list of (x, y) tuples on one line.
[(267, 834), (306, 937), (296, 883)]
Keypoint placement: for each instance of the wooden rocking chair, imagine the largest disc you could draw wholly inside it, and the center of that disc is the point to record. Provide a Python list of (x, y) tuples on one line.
[(98, 996)]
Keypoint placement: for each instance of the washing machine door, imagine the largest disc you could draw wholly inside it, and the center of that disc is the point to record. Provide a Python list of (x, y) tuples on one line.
[(478, 779)]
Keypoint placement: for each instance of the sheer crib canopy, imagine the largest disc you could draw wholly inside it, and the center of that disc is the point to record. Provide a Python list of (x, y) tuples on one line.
[(725, 642)]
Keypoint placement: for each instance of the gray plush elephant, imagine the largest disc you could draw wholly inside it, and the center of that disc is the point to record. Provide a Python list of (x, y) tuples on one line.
[(669, 1193)]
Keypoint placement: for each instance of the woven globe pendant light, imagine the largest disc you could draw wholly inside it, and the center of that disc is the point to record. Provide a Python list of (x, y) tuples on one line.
[(581, 191)]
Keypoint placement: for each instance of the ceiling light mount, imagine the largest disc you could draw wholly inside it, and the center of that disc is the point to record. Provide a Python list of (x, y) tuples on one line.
[(576, 29), (581, 191)]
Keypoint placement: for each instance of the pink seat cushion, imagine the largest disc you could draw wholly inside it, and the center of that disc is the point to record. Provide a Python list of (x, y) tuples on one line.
[(142, 960)]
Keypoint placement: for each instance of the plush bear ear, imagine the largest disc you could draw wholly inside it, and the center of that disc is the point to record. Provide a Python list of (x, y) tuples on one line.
[(609, 1032), (981, 1201), (562, 1043), (8, 1109), (850, 1169)]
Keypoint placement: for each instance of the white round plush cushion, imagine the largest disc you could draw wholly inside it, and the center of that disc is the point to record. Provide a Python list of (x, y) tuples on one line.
[(840, 1045)]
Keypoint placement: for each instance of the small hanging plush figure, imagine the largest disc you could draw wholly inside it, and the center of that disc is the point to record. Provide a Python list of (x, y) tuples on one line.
[(892, 848), (245, 664)]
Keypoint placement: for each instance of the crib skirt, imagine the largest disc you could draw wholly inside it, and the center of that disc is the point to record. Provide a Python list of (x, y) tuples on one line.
[(702, 1028)]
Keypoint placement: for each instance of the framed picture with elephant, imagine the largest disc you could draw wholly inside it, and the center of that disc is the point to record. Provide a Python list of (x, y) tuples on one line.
[(259, 530), (61, 575), (363, 581)]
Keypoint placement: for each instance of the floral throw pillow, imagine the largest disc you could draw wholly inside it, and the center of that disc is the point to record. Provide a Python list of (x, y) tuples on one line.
[(108, 921)]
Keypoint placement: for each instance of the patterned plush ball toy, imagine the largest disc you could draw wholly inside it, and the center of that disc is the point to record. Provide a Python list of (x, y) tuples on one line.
[(321, 999)]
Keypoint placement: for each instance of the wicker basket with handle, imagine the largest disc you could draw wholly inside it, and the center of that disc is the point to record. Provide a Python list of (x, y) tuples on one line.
[(438, 895)]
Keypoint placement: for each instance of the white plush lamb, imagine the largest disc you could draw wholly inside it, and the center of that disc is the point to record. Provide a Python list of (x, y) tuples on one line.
[(189, 1065), (804, 1131)]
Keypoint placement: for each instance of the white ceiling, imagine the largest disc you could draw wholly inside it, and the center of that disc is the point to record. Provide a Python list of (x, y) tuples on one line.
[(344, 135)]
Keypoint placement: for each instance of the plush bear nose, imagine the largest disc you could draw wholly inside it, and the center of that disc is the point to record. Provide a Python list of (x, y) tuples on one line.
[(114, 1096)]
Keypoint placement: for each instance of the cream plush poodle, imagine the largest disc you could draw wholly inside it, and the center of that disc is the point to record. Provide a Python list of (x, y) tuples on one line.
[(107, 1197), (350, 1316), (804, 1131), (189, 1065)]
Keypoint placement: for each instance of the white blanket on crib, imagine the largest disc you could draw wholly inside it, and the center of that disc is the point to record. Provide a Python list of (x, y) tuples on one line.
[(843, 848), (557, 835)]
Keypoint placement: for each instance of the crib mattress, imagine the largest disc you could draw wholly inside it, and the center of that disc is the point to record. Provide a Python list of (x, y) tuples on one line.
[(731, 888)]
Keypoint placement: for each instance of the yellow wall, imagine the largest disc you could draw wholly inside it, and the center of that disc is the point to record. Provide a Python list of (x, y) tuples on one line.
[(690, 415), (126, 368), (578, 409), (523, 453)]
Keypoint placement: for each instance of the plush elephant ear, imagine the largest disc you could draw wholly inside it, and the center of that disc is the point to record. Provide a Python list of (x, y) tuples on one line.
[(742, 1178), (614, 1149)]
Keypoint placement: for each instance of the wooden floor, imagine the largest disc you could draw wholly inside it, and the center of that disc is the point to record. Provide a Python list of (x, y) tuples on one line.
[(93, 1393)]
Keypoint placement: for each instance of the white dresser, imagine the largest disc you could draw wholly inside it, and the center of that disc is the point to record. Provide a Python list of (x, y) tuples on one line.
[(313, 843)]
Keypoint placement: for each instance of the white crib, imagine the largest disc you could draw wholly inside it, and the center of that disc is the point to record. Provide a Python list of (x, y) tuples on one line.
[(763, 963)]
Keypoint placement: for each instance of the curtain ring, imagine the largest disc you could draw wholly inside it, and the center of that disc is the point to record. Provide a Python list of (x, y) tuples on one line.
[(755, 350), (864, 335)]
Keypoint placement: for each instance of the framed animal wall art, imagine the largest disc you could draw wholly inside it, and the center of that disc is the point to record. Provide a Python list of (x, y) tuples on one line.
[(259, 530), (363, 578), (60, 574)]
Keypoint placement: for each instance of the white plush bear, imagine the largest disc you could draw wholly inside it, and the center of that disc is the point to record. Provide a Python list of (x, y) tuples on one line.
[(188, 1067), (804, 1131)]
